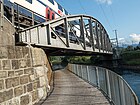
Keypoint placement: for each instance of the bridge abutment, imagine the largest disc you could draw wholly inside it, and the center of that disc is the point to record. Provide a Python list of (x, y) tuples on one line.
[(25, 72)]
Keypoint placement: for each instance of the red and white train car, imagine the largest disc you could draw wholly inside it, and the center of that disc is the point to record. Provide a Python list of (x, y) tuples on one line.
[(46, 8)]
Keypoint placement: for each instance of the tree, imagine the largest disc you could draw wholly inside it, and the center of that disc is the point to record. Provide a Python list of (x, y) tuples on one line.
[(129, 48)]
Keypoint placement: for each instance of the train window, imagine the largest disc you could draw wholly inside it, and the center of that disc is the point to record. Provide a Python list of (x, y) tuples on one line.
[(30, 1), (53, 16), (38, 18), (25, 12), (48, 14), (7, 3), (60, 7), (66, 12), (51, 1)]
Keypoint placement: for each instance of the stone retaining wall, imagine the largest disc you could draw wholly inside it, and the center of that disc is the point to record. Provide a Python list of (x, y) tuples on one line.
[(23, 75), (25, 72)]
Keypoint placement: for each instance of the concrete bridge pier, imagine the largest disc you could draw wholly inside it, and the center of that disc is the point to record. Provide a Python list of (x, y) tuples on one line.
[(107, 61)]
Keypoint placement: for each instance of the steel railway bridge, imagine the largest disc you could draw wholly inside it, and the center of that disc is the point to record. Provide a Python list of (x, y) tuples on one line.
[(71, 35)]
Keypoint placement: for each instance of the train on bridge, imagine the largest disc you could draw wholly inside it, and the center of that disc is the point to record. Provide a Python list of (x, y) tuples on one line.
[(84, 30), (41, 11), (49, 9)]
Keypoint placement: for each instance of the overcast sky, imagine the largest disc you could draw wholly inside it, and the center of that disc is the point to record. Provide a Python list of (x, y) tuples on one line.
[(120, 15)]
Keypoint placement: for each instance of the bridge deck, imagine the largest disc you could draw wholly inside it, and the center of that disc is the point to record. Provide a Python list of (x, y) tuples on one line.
[(71, 90)]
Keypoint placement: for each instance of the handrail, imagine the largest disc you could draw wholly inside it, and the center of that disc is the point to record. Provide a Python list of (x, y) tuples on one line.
[(113, 85)]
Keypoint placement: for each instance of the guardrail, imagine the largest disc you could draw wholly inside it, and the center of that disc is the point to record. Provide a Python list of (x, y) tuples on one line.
[(113, 86)]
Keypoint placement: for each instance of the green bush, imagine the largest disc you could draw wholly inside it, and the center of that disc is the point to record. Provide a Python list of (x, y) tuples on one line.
[(131, 57), (133, 62)]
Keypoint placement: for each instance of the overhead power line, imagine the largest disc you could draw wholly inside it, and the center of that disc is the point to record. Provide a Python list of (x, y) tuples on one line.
[(114, 19), (82, 7), (105, 17)]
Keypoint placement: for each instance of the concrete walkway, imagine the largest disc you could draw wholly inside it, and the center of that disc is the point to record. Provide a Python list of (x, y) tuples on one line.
[(71, 90)]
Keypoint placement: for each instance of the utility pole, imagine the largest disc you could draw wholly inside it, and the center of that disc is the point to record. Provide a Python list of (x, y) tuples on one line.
[(116, 38), (117, 47)]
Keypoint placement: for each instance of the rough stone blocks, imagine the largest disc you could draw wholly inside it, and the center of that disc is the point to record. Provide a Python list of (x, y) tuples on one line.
[(18, 91), (24, 79), (24, 100), (6, 65), (3, 74), (3, 52), (34, 96), (29, 87), (20, 82), (12, 82), (15, 64), (1, 84), (11, 52), (6, 95)]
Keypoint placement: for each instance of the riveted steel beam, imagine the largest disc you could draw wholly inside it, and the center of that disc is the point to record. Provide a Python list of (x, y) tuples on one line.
[(91, 33), (97, 34), (66, 32), (82, 26), (48, 29)]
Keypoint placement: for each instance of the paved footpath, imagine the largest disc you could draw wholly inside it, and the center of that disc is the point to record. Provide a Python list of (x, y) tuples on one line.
[(71, 90)]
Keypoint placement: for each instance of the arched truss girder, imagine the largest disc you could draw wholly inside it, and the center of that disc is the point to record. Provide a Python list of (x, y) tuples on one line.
[(74, 32)]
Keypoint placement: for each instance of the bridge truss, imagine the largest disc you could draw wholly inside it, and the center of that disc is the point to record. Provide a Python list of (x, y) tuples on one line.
[(76, 34), (80, 33)]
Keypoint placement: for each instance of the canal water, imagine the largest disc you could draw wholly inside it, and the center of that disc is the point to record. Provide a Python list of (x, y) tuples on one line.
[(133, 79)]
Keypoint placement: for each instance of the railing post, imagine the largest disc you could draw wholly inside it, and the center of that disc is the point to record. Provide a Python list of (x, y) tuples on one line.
[(81, 70), (123, 94), (48, 29), (66, 31), (97, 76), (26, 36), (38, 35), (103, 41), (88, 78), (30, 35), (91, 33), (105, 48), (110, 46), (2, 13), (18, 16), (97, 34), (76, 71), (108, 85), (107, 43), (101, 37), (13, 14), (33, 23), (82, 26)]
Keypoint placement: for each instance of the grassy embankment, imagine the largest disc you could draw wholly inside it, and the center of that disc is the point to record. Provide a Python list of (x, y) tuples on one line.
[(131, 58)]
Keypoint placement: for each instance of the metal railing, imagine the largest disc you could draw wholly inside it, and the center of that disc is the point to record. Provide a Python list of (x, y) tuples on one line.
[(113, 86)]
